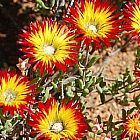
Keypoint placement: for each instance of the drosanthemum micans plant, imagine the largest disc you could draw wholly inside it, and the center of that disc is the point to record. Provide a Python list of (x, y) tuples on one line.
[(132, 19), (15, 92), (49, 45), (131, 126), (94, 21), (56, 121)]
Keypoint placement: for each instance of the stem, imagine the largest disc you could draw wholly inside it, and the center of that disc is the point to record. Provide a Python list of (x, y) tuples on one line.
[(1, 115), (111, 99), (62, 87), (87, 56), (134, 90), (125, 86)]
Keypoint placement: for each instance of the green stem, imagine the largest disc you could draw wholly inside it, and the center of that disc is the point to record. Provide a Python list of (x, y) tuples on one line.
[(1, 115)]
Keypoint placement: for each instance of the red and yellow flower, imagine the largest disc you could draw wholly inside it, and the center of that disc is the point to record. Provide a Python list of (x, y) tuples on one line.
[(137, 72), (132, 126), (15, 92), (95, 21), (132, 19), (55, 121), (49, 45)]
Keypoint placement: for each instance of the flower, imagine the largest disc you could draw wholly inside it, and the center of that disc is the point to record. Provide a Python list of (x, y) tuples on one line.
[(137, 73), (132, 19), (49, 45), (132, 126), (95, 21), (56, 121), (23, 66), (15, 91)]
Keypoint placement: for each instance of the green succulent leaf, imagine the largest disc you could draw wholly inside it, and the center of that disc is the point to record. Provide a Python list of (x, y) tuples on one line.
[(93, 60)]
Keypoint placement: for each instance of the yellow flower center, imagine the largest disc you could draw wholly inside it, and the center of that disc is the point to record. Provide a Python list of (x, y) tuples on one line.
[(92, 28), (48, 49), (134, 125), (9, 95), (57, 127)]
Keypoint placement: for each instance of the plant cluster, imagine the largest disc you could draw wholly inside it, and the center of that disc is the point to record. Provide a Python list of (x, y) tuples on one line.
[(46, 98)]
